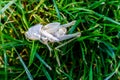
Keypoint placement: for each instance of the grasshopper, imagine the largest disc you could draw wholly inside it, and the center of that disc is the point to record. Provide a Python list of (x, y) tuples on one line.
[(52, 32)]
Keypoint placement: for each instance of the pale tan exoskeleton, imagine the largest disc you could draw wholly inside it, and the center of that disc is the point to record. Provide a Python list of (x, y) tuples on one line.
[(52, 32)]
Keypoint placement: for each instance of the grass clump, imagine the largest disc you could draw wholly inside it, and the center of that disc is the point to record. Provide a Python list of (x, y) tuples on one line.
[(93, 55)]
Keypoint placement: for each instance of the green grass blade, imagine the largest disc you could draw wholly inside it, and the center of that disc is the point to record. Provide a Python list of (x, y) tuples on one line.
[(83, 53), (91, 73), (7, 6), (108, 78), (46, 73), (97, 4), (113, 73), (33, 52), (42, 61), (57, 10), (107, 18), (5, 58), (25, 67), (108, 49), (57, 57), (23, 17)]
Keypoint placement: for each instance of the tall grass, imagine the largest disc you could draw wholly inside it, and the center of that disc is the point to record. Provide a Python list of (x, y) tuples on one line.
[(95, 55)]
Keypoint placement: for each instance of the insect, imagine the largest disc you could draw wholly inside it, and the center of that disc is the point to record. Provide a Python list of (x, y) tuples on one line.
[(52, 32)]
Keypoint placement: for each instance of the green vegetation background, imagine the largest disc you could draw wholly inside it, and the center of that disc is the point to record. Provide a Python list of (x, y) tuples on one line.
[(93, 55)]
